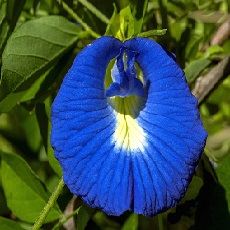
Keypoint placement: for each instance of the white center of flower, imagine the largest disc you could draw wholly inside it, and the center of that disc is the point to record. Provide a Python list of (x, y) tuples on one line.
[(128, 134)]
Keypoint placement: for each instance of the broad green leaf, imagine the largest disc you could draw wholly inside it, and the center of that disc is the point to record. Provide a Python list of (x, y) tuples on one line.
[(84, 214), (223, 174), (32, 49), (138, 12), (25, 194), (131, 223), (7, 224), (194, 69), (43, 114), (41, 88)]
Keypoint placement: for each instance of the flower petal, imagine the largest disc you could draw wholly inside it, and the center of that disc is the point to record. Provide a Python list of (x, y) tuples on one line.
[(82, 123), (176, 136), (129, 153)]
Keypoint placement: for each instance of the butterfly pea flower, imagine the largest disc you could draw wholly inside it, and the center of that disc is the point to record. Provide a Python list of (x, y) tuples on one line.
[(132, 139)]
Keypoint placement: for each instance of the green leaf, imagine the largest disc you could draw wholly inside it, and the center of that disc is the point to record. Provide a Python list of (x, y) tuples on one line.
[(4, 27), (13, 10), (121, 25), (139, 10), (192, 46), (25, 194), (84, 214), (131, 223), (31, 50), (223, 174), (193, 189), (7, 224), (194, 69), (126, 23), (114, 24), (42, 87), (10, 11), (212, 51), (10, 101), (43, 114), (213, 201)]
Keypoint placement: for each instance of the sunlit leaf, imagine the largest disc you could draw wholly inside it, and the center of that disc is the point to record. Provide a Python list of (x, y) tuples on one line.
[(121, 25), (84, 214), (131, 223), (33, 49), (194, 69), (25, 195), (138, 12), (212, 51), (7, 224)]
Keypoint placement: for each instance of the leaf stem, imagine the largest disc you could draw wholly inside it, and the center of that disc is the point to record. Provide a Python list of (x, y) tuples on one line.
[(95, 11), (38, 223), (78, 19), (160, 222), (152, 33), (65, 219)]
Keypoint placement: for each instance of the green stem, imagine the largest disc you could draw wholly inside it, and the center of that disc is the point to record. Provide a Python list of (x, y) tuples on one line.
[(160, 222), (38, 223), (95, 11), (152, 33), (78, 19), (65, 219)]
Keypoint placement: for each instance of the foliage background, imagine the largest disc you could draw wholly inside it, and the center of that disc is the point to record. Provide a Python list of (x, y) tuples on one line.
[(38, 41)]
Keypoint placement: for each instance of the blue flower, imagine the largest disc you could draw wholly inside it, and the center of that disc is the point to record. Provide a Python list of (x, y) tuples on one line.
[(130, 140)]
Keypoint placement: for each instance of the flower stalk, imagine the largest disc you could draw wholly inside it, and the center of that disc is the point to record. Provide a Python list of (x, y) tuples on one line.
[(57, 191), (78, 19)]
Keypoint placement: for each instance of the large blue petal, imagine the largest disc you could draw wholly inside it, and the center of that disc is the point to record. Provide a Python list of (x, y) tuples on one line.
[(131, 153), (82, 123), (176, 136)]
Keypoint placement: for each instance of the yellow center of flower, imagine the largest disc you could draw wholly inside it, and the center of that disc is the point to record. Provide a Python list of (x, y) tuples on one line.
[(128, 133)]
